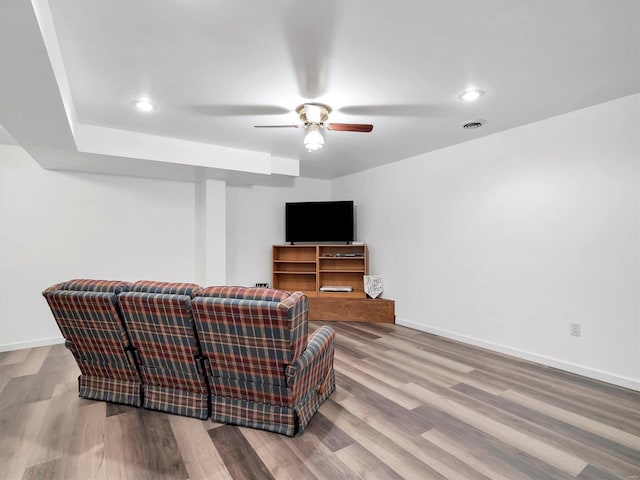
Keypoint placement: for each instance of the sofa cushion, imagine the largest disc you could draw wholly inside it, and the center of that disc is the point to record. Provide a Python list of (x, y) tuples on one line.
[(247, 293), (168, 288), (88, 285)]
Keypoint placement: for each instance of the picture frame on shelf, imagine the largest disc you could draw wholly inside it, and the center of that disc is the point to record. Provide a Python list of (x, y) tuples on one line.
[(373, 285)]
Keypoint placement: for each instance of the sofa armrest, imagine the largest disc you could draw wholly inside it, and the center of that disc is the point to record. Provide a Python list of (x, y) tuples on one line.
[(297, 308), (312, 368)]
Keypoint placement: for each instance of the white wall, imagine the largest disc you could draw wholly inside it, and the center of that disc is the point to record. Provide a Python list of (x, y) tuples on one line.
[(55, 226), (504, 240), (255, 222)]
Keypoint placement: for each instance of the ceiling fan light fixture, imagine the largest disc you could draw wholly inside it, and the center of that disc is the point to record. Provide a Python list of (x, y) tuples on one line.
[(313, 117), (471, 95), (313, 112), (313, 140)]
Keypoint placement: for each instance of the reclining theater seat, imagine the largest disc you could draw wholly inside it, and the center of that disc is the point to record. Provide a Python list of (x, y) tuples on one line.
[(160, 324), (262, 373), (87, 314)]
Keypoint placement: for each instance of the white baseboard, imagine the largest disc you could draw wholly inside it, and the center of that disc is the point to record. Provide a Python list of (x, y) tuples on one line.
[(621, 381), (33, 343)]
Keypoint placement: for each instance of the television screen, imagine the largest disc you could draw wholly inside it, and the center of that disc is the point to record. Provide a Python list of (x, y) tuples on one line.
[(319, 222)]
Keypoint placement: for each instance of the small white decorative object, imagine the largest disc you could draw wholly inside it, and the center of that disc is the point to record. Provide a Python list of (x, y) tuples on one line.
[(373, 285)]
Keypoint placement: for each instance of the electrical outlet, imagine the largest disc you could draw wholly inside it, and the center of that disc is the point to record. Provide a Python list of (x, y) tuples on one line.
[(262, 285), (574, 329)]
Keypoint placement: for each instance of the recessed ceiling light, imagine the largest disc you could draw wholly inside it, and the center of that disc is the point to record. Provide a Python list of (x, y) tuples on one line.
[(471, 95), (144, 105)]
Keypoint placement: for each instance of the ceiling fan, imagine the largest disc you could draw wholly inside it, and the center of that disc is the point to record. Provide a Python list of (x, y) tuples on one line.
[(314, 116)]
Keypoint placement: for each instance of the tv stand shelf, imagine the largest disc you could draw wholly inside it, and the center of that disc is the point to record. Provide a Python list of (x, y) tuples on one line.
[(310, 267)]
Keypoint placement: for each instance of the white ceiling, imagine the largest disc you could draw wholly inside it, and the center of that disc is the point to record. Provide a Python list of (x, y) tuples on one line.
[(216, 68), (5, 138)]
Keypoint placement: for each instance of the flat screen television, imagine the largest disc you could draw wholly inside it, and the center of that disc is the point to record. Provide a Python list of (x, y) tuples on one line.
[(319, 222)]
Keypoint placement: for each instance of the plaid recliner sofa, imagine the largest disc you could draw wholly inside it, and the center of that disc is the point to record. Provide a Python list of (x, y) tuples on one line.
[(89, 318), (261, 370), (239, 355)]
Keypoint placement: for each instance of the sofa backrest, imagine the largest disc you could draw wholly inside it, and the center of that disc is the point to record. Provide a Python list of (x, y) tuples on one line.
[(251, 340), (248, 293), (88, 285), (169, 288), (88, 316), (161, 328)]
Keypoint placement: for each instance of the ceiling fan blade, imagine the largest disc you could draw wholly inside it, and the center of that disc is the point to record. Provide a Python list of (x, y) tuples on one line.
[(350, 127), (394, 110), (237, 110), (278, 126), (309, 29)]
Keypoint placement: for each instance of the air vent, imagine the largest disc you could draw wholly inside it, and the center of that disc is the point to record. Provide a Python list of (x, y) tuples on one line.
[(471, 125)]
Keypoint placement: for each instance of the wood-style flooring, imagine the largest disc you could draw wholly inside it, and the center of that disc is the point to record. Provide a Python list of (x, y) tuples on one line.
[(407, 405)]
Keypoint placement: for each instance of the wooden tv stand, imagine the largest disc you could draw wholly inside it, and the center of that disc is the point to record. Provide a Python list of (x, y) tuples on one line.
[(308, 268)]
